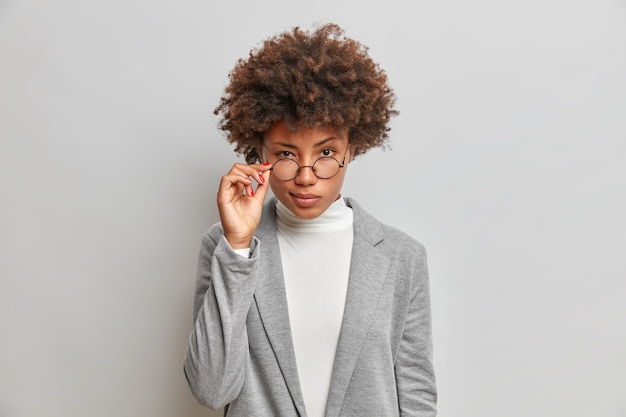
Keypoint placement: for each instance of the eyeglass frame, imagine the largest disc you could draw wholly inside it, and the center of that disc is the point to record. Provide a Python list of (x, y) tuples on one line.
[(340, 164)]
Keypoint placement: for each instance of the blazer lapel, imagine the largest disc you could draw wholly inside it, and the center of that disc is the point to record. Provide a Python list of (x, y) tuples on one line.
[(271, 301), (368, 271)]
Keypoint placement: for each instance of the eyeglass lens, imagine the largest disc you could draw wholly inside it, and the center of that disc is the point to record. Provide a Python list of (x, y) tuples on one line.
[(287, 169)]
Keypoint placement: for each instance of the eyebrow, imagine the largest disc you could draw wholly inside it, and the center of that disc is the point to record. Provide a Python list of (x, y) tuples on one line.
[(320, 143)]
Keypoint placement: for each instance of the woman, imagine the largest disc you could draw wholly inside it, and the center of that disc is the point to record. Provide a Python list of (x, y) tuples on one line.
[(306, 305)]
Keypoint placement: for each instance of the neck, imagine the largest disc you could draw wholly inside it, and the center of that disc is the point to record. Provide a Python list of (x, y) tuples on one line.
[(337, 216)]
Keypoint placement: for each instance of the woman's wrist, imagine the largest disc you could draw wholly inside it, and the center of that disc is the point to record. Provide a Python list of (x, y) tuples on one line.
[(239, 243)]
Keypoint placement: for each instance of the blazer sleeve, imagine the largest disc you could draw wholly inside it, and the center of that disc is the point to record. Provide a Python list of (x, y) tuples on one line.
[(415, 376), (217, 351)]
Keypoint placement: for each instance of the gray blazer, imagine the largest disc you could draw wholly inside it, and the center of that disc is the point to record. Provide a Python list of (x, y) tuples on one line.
[(240, 352)]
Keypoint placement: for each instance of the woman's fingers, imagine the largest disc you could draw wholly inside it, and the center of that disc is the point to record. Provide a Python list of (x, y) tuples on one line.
[(255, 171), (264, 185), (231, 186), (240, 204), (242, 175)]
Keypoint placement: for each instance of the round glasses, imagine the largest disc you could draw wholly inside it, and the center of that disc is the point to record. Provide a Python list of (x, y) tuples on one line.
[(286, 169)]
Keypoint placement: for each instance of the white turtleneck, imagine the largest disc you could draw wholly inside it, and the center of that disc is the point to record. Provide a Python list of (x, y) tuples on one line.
[(316, 263)]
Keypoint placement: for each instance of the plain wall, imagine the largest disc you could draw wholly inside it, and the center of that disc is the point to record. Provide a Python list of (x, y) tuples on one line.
[(507, 162)]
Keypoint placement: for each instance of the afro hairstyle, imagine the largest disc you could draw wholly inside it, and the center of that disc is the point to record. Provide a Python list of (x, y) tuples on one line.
[(309, 79)]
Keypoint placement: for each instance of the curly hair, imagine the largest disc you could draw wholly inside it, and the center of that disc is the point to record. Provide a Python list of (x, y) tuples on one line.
[(309, 79)]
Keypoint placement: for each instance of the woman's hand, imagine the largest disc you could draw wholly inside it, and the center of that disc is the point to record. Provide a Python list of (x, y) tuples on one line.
[(240, 206)]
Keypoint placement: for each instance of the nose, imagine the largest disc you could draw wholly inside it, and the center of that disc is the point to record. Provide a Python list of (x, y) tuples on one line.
[(305, 175)]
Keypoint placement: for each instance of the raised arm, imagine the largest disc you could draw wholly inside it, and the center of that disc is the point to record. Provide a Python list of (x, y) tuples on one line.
[(218, 345)]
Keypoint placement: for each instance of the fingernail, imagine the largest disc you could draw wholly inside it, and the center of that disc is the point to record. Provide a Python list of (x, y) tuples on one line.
[(251, 192), (267, 164), (261, 178)]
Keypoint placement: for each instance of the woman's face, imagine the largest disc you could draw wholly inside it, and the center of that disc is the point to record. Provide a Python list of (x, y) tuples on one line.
[(306, 195)]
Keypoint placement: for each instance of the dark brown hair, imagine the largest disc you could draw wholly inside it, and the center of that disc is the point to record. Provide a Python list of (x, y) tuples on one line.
[(319, 78)]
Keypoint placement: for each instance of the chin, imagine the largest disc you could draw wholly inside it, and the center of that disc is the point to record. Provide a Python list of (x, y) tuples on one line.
[(306, 213)]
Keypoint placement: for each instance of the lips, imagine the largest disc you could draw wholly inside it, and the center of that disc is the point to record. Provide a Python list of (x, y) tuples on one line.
[(305, 200)]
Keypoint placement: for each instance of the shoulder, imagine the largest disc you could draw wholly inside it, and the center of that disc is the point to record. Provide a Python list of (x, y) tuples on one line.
[(382, 235), (401, 238)]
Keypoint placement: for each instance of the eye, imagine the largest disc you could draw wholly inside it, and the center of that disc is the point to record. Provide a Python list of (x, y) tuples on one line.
[(328, 152), (284, 154)]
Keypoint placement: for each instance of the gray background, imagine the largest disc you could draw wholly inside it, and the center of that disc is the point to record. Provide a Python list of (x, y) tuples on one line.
[(507, 162)]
